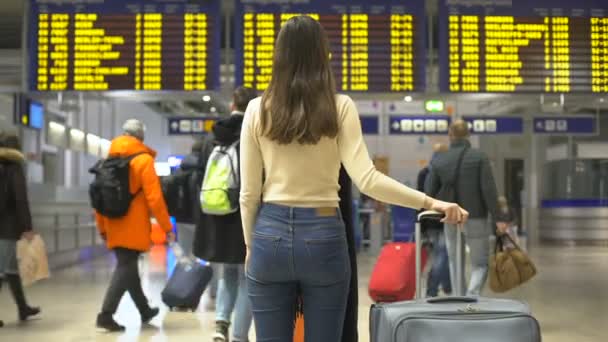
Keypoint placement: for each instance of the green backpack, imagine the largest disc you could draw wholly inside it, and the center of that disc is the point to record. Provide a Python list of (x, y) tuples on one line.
[(221, 184)]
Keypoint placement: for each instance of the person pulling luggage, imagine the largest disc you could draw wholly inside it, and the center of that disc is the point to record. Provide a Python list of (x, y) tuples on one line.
[(463, 174), (439, 274), (125, 190), (220, 237)]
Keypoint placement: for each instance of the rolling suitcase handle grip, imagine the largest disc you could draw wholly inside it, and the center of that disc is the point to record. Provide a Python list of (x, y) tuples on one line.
[(181, 256), (455, 299), (437, 216), (431, 216)]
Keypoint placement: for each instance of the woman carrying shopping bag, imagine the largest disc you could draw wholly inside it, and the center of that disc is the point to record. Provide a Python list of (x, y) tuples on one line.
[(15, 219)]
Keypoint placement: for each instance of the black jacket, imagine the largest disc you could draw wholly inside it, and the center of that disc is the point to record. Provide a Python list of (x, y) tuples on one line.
[(476, 187), (350, 332), (15, 217), (423, 175), (194, 166), (220, 238)]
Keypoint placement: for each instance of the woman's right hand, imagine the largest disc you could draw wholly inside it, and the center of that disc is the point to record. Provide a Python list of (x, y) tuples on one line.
[(454, 214)]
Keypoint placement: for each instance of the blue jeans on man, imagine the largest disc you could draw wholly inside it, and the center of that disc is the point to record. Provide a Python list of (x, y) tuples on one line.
[(439, 275), (477, 237)]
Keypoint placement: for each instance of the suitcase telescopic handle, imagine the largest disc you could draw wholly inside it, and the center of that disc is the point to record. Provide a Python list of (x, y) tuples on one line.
[(454, 299), (430, 215), (437, 216)]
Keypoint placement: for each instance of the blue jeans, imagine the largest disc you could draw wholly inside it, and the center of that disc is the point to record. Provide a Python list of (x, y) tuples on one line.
[(440, 270), (477, 237), (301, 248), (232, 296)]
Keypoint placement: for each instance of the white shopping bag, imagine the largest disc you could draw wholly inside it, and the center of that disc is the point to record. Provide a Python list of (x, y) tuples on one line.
[(33, 260)]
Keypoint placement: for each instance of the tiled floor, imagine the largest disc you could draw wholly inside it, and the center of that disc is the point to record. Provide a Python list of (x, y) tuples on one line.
[(568, 296)]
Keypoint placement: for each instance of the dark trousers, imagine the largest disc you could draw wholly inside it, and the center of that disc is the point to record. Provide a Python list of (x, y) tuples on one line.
[(125, 279), (440, 270)]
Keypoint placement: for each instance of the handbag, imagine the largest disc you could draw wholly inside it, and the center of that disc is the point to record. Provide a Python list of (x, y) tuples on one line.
[(449, 191), (509, 267), (32, 260)]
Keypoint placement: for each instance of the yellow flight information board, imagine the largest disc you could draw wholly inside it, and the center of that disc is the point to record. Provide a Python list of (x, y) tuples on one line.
[(536, 46), (123, 45), (374, 48)]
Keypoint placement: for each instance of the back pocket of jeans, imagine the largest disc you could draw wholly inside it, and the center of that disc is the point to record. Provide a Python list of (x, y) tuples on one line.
[(263, 261), (328, 260)]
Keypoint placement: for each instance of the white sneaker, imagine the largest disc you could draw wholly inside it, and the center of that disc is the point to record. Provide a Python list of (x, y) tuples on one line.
[(210, 305)]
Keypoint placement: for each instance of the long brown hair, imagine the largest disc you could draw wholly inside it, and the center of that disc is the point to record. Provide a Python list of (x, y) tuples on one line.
[(300, 102)]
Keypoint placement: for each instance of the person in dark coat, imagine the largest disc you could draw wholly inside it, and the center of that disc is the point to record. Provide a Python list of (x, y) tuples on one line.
[(349, 330), (194, 165), (439, 274), (15, 219), (476, 192), (219, 239)]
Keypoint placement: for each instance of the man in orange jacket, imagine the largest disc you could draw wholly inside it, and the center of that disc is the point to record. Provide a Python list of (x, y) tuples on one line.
[(129, 236)]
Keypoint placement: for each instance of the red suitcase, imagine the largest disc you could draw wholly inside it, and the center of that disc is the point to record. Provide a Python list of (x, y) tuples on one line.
[(394, 276)]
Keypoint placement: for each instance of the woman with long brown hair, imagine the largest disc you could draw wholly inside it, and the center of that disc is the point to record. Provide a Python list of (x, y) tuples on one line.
[(293, 141)]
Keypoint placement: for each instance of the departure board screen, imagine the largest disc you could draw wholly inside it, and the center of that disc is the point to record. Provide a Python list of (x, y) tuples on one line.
[(538, 46), (100, 45), (376, 46)]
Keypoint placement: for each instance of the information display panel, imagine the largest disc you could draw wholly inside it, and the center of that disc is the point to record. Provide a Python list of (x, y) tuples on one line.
[(538, 46), (100, 45), (190, 126), (560, 125), (376, 46)]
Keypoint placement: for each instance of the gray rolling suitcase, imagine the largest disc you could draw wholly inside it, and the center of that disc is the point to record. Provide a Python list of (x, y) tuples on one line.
[(452, 319)]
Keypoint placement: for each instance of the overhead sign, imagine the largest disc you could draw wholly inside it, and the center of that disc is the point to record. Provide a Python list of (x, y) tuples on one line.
[(370, 125), (434, 106), (419, 124), (440, 124), (191, 126), (495, 125), (565, 125), (537, 46), (376, 46), (100, 45)]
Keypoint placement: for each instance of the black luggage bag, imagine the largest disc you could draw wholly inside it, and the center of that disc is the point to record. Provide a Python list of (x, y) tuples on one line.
[(187, 284)]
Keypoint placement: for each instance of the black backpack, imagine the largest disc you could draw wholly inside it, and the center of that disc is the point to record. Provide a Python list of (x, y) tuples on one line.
[(178, 195), (109, 192)]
